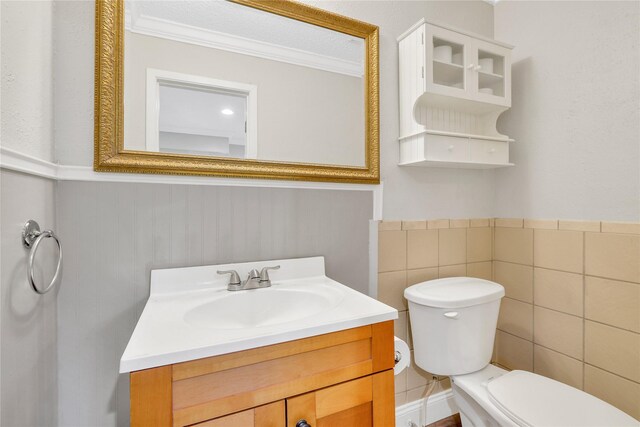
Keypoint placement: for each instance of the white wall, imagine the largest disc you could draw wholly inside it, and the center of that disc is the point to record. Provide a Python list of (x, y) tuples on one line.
[(27, 80), (28, 385), (409, 192), (420, 192), (576, 110)]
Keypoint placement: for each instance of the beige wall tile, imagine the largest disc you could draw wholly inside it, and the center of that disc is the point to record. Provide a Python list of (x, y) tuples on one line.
[(558, 290), (612, 349), (436, 224), (417, 376), (401, 381), (421, 392), (422, 248), (417, 393), (513, 245), (391, 287), (401, 398), (547, 224), (492, 222), (459, 223), (558, 331), (558, 250), (421, 275), (517, 280), (619, 392), (481, 270), (392, 250), (612, 302), (452, 246), (452, 271), (579, 225), (614, 256), (621, 227), (479, 222), (516, 318), (557, 366), (513, 352), (509, 222), (444, 384), (389, 225), (479, 244), (400, 325), (414, 225)]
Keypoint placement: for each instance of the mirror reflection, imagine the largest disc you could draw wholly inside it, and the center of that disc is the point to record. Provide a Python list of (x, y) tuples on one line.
[(215, 78)]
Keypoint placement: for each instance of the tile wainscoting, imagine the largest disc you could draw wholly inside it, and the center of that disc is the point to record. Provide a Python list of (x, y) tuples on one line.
[(572, 305)]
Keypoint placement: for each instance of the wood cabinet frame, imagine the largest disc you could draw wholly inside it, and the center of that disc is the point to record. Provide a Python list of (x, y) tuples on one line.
[(193, 392)]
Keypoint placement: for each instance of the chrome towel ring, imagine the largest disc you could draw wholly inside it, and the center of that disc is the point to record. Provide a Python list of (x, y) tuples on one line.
[(31, 238)]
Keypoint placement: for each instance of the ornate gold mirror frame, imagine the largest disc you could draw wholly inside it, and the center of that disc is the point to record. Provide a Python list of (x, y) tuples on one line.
[(111, 156)]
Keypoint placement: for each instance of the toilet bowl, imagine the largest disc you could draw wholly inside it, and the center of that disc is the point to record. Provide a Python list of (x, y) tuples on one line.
[(453, 322)]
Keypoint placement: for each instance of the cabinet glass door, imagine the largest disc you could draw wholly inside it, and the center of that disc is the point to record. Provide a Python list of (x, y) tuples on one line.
[(493, 73), (447, 58)]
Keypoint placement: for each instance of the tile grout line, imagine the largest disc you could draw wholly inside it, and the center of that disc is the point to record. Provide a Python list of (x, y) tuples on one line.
[(533, 301), (584, 306)]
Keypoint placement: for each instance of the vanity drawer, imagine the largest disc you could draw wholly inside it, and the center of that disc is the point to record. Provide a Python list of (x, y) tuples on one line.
[(446, 148), (495, 152), (213, 387)]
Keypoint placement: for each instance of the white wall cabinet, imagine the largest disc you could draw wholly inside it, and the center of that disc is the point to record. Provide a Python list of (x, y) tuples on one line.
[(453, 87)]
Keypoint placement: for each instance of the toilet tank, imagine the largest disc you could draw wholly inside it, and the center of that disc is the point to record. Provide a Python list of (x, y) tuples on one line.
[(453, 323)]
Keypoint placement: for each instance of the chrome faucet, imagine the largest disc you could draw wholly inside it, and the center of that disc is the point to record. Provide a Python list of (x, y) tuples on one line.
[(256, 280)]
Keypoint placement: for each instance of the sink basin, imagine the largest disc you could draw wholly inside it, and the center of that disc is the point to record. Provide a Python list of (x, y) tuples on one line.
[(263, 307), (190, 314)]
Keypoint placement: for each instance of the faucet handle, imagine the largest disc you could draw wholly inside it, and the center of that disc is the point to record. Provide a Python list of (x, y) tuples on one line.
[(253, 274), (264, 273), (235, 277)]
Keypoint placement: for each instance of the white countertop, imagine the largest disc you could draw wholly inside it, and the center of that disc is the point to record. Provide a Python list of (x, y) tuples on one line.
[(177, 324)]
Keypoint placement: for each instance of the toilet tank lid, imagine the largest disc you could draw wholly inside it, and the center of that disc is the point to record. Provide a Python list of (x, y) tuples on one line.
[(533, 400), (454, 292)]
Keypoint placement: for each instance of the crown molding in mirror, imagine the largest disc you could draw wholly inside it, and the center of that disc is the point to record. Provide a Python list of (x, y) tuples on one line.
[(109, 152)]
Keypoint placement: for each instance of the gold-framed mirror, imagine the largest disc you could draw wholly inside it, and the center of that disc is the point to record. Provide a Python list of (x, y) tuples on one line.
[(137, 137)]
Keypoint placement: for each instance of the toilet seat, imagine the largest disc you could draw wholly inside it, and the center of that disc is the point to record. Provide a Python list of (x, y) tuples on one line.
[(533, 400)]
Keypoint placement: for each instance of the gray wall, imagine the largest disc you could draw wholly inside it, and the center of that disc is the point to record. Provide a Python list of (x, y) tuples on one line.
[(114, 234), (576, 110), (27, 320)]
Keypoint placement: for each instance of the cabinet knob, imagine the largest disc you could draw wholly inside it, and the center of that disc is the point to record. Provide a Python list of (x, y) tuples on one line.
[(471, 66), (450, 148), (493, 150), (303, 423)]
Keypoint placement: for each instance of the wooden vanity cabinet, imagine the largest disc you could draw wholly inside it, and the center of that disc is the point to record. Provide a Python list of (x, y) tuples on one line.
[(343, 378)]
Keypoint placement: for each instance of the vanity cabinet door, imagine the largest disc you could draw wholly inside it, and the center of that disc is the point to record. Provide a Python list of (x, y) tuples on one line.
[(271, 415), (365, 402)]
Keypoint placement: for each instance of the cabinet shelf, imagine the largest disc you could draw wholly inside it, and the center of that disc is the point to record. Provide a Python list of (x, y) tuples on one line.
[(447, 64), (447, 118), (456, 165), (448, 74), (459, 135), (489, 77)]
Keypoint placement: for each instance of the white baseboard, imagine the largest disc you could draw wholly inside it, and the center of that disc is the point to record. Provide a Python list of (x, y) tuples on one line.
[(426, 411)]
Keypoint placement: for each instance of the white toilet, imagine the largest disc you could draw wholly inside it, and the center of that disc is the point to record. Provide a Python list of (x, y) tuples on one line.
[(454, 324)]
